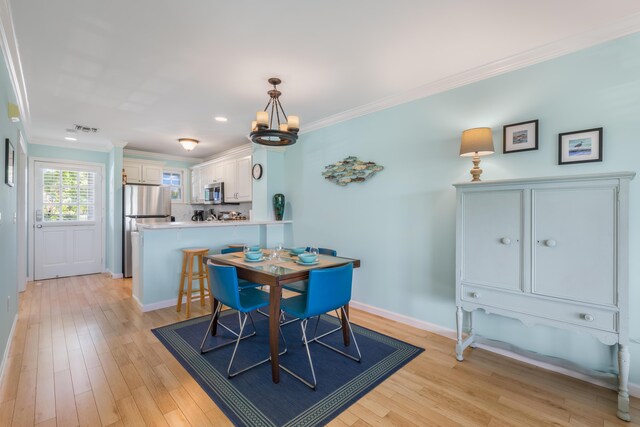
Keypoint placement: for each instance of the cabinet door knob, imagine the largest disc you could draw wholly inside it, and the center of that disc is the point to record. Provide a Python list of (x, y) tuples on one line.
[(550, 242), (588, 317), (475, 295), (505, 241)]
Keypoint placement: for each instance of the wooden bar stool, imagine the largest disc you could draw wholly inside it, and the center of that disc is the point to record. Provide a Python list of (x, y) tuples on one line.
[(188, 256)]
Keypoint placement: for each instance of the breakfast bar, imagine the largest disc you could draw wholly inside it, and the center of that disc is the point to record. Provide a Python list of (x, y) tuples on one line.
[(157, 250)]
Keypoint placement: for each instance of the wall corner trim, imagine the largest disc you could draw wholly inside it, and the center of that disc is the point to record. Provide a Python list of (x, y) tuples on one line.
[(634, 389), (7, 347)]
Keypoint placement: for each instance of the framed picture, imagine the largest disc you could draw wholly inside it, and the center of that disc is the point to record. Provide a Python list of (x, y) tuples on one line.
[(520, 137), (9, 163), (581, 146)]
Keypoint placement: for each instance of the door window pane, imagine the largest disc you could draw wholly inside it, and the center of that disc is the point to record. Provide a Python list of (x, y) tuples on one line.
[(68, 195)]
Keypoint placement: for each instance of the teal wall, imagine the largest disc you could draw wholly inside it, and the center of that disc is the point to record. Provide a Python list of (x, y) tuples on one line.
[(8, 208), (401, 223)]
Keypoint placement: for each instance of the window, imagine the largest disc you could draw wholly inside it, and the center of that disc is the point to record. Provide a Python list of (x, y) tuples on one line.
[(174, 179), (68, 195)]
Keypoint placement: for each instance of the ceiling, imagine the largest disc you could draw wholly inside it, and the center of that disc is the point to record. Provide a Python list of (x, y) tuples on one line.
[(148, 72)]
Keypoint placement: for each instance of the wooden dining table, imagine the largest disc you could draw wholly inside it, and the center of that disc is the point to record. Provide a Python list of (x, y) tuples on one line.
[(275, 273)]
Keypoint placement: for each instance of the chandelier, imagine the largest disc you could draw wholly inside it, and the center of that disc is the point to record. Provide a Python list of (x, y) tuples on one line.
[(282, 132)]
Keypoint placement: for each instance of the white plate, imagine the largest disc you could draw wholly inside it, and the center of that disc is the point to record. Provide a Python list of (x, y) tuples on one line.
[(308, 263), (254, 260)]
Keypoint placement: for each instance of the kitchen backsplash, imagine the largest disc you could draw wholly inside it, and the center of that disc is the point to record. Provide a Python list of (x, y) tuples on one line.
[(184, 211)]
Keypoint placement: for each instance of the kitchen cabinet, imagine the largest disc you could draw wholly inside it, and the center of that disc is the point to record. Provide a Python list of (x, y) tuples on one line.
[(236, 175), (549, 251), (197, 188), (233, 168), (143, 172)]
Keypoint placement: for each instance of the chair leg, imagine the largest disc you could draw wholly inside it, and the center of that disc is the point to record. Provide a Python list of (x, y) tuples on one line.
[(353, 336), (201, 280), (182, 277), (303, 326), (209, 329), (189, 283)]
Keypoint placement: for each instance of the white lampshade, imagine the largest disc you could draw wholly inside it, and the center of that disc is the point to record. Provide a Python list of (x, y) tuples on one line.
[(188, 143), (476, 142)]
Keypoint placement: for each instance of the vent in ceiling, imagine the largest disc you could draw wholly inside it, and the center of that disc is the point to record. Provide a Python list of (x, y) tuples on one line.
[(85, 129)]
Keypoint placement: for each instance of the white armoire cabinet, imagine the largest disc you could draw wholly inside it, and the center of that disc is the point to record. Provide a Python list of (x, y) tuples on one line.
[(551, 251)]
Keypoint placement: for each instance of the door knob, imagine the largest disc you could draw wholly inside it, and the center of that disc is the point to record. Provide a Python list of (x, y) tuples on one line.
[(550, 243), (39, 226), (505, 241)]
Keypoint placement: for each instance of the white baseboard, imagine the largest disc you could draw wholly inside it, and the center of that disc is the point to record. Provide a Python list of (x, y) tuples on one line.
[(523, 356), (5, 355), (113, 275)]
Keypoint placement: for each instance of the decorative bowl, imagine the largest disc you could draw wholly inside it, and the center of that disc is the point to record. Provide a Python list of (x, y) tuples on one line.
[(297, 251), (253, 256), (308, 258)]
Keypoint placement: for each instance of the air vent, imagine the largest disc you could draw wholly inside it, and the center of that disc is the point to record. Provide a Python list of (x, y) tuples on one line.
[(85, 129)]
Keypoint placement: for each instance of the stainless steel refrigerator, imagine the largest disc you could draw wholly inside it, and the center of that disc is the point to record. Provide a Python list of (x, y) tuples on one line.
[(142, 204)]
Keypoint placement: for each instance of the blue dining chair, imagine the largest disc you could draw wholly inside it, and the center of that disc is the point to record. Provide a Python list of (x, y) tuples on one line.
[(243, 284), (301, 286), (224, 288), (328, 290)]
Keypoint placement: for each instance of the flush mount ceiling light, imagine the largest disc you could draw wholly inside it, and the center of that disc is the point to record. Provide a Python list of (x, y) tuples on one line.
[(70, 138), (285, 129), (220, 119), (188, 143)]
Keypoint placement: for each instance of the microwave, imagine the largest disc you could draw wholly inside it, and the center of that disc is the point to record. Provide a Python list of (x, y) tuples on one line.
[(214, 193)]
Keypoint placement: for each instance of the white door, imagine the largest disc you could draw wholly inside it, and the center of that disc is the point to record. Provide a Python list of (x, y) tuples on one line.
[(68, 220)]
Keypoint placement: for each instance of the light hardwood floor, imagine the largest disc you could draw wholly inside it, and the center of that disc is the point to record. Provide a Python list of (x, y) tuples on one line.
[(84, 355)]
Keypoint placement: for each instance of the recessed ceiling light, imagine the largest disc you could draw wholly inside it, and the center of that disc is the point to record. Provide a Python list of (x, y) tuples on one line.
[(69, 138), (220, 119)]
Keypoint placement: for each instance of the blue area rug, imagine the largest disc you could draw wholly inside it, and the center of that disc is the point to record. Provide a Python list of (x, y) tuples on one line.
[(252, 399)]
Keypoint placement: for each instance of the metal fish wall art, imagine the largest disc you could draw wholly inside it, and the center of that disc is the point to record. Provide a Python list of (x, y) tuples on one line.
[(350, 170)]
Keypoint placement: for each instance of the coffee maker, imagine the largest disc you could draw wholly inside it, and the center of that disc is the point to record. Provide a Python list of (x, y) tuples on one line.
[(198, 215)]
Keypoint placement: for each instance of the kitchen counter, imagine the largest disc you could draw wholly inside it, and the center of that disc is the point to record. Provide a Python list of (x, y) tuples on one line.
[(204, 224)]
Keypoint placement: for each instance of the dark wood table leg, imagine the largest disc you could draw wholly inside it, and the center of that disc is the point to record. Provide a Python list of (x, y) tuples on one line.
[(345, 328), (275, 292), (214, 307)]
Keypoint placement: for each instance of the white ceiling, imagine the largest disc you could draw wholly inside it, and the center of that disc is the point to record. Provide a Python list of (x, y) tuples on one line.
[(150, 71)]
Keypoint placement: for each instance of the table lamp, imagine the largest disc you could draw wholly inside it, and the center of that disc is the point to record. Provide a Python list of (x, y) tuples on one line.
[(476, 142)]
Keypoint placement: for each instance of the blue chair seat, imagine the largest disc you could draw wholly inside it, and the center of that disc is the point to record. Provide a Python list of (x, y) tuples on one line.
[(295, 306), (253, 299)]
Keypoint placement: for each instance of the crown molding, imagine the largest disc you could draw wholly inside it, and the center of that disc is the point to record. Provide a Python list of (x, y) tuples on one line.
[(103, 148), (11, 53), (160, 156), (626, 26), (231, 152)]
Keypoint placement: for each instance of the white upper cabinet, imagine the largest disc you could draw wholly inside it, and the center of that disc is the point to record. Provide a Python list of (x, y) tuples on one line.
[(143, 172), (244, 180), (197, 189), (233, 169)]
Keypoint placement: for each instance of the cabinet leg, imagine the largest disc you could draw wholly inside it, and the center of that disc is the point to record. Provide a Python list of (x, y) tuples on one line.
[(624, 360), (459, 325), (471, 331)]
